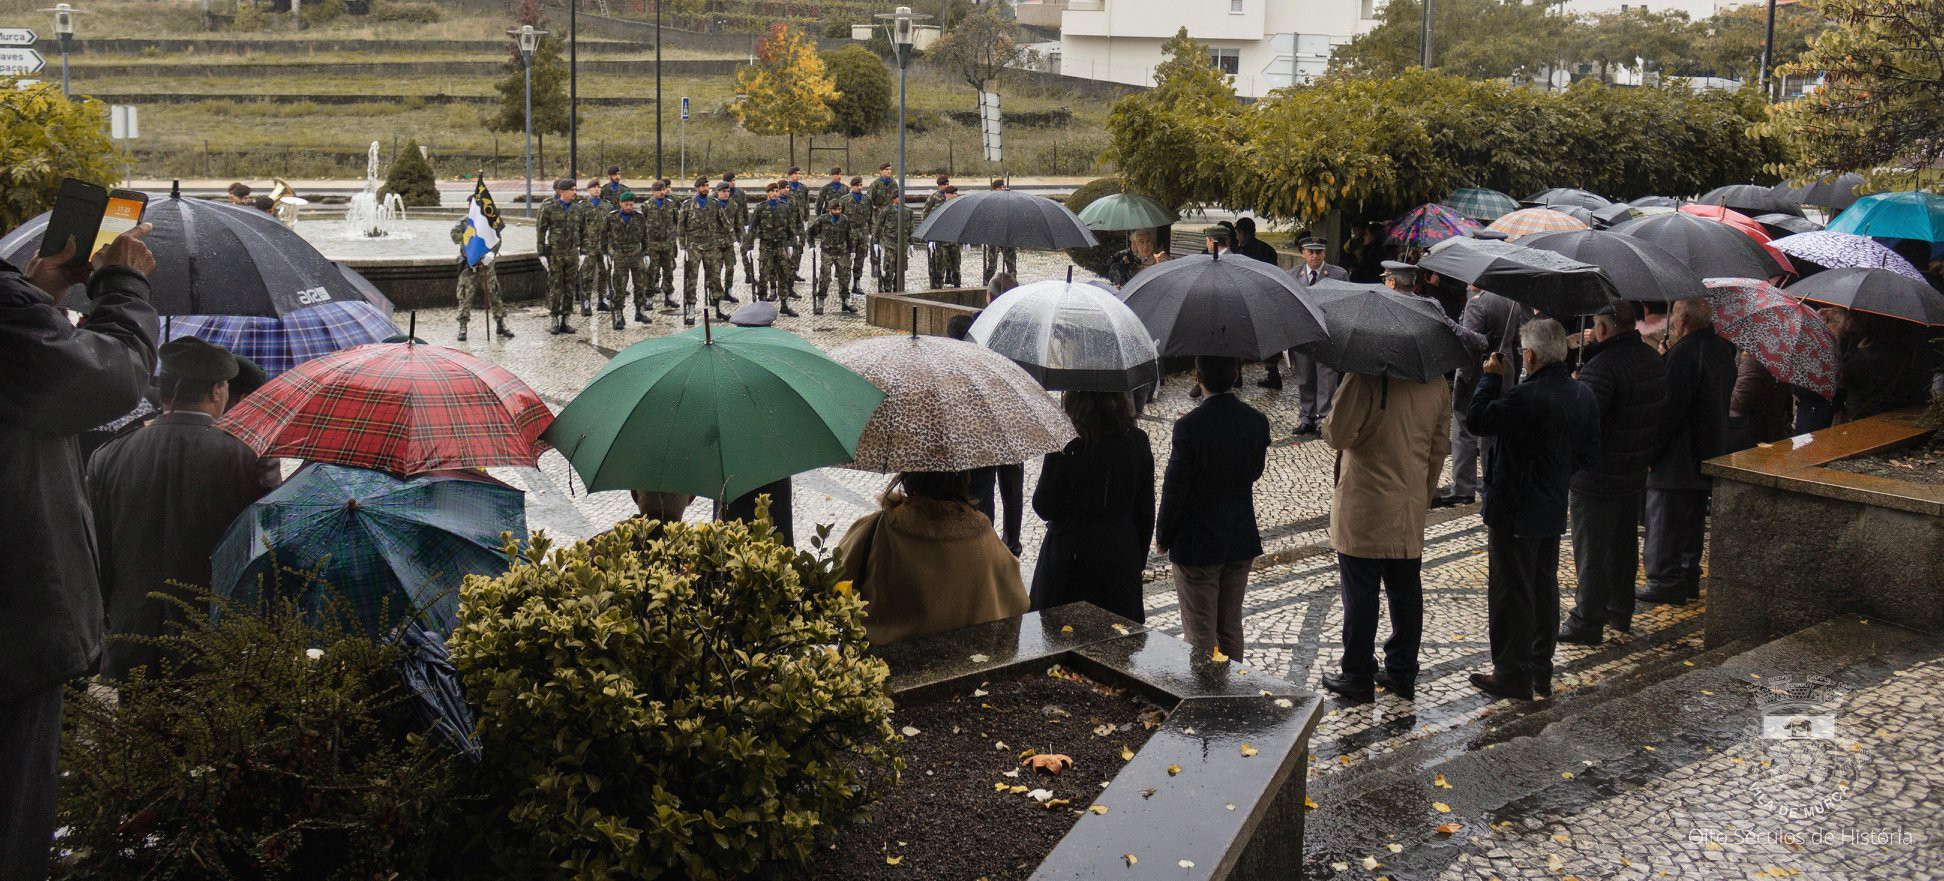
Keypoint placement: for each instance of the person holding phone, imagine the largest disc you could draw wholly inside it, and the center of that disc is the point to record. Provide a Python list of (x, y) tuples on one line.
[(57, 381)]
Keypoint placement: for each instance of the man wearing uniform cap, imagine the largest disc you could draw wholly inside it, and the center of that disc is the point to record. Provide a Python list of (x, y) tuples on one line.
[(1400, 276), (558, 235), (1315, 382), (163, 497)]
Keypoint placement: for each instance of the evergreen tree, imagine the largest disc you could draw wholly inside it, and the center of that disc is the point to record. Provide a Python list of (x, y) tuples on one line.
[(410, 176), (863, 102)]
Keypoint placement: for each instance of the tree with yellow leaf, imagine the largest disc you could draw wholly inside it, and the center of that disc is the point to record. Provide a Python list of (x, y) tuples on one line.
[(787, 91)]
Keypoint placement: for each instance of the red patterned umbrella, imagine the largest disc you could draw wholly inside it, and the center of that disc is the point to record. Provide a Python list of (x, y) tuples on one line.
[(404, 408), (1787, 337)]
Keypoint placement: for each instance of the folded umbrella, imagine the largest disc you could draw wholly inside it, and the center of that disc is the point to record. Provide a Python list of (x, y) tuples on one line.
[(1378, 331), (1786, 224), (278, 344), (1238, 307), (950, 406), (1568, 196), (1788, 338), (1909, 215), (1070, 337), (1480, 204), (1427, 225), (1527, 221), (1711, 249), (1544, 280), (1877, 291), (713, 411), (386, 549), (1835, 250), (1639, 269), (1125, 211), (1008, 218), (1749, 199), (404, 408)]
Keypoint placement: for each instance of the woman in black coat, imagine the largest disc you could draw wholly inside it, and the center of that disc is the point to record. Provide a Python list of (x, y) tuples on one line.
[(1097, 498)]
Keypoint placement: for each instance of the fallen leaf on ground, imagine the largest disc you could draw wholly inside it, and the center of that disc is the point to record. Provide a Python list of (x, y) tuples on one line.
[(1056, 803), (1103, 730), (1014, 773), (980, 659), (1098, 809), (998, 787), (1027, 753), (1285, 703), (1015, 789), (1217, 656), (1309, 803), (1052, 763), (1067, 629), (908, 731), (1120, 629), (1173, 770), (1394, 847), (1439, 782), (1147, 793), (1370, 864), (1562, 838), (1650, 749), (1186, 864), (1340, 867), (1447, 828), (1039, 795), (1130, 859), (980, 692), (892, 861), (1127, 755), (1554, 863), (1566, 775), (1000, 744), (1248, 751), (1441, 807), (1230, 806)]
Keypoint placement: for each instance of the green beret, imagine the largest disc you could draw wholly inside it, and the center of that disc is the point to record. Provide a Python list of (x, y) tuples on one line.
[(194, 359), (627, 196)]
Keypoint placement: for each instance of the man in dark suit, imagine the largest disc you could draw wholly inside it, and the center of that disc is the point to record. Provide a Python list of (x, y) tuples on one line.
[(1547, 428), (1315, 382), (1207, 521), (1498, 320), (1693, 428), (1251, 247)]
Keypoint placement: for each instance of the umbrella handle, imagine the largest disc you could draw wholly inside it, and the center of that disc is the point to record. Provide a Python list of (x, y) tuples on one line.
[(914, 322)]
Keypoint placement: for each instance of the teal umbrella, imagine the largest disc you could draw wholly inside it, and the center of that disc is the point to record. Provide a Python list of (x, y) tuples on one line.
[(1912, 215), (715, 412), (1125, 211), (385, 547)]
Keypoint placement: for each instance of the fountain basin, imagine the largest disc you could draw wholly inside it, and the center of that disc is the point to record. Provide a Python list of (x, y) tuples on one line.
[(417, 265)]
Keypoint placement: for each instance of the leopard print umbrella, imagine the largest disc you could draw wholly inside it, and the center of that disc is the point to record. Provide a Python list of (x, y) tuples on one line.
[(951, 406)]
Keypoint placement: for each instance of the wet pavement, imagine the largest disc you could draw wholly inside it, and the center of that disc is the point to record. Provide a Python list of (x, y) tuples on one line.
[(1293, 623)]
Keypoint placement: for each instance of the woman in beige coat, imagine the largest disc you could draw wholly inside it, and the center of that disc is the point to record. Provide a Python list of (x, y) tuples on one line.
[(1391, 442), (927, 561)]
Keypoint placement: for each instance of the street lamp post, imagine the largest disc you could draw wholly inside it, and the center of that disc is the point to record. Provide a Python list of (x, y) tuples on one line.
[(658, 95), (573, 88), (528, 39), (64, 31), (1768, 54), (899, 23)]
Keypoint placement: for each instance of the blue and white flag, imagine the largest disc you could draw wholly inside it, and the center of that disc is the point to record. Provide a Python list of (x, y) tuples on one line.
[(483, 225)]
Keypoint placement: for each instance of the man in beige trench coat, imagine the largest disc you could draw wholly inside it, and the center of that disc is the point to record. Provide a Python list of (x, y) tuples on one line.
[(1390, 438)]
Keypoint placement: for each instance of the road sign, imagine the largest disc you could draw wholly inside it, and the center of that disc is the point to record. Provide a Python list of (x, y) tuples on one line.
[(990, 122), (123, 123), (685, 109), (17, 36), (19, 61)]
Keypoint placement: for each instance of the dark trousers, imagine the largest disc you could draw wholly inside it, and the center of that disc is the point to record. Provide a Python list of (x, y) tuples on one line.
[(1211, 605), (1404, 588), (1009, 481), (1677, 526), (1522, 605), (1813, 412), (30, 748), (1467, 450), (1606, 550)]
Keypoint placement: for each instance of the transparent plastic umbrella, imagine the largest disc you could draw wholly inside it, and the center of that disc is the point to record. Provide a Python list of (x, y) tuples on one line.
[(1070, 337)]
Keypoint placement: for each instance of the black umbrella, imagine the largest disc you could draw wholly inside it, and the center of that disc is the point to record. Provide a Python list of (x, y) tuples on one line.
[(1008, 218), (1639, 269), (1711, 249), (1877, 291), (1559, 197), (1787, 224), (213, 258), (1750, 199), (1204, 305), (1834, 193), (1655, 202), (438, 696), (1541, 279), (1618, 212), (1381, 332)]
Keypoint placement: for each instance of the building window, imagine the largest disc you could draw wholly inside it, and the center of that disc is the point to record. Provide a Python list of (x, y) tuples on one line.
[(1228, 61), (1235, 6), (1369, 10)]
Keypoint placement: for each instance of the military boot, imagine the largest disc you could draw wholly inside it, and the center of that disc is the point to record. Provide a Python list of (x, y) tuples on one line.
[(462, 333), (499, 327)]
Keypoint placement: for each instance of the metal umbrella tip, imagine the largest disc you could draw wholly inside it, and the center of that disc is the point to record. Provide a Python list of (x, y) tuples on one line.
[(175, 189)]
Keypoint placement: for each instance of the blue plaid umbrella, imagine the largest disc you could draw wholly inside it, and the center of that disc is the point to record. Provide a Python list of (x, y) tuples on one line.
[(1481, 204), (383, 546), (279, 344)]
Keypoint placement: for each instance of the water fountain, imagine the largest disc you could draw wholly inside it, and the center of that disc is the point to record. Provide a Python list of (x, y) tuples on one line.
[(368, 217)]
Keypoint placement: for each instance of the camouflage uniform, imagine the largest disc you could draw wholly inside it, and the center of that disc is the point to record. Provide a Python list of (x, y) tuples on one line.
[(800, 216), (826, 193), (881, 192), (774, 228), (594, 272), (662, 218), (560, 244), (993, 254), (627, 239), (831, 235), (471, 279), (704, 235), (941, 258), (895, 250), (858, 209), (736, 200)]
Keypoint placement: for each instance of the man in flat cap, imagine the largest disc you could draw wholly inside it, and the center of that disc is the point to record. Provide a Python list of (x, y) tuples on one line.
[(558, 233), (1315, 382), (163, 497)]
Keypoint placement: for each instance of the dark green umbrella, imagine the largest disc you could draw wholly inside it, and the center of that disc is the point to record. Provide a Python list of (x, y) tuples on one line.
[(715, 412), (1125, 211)]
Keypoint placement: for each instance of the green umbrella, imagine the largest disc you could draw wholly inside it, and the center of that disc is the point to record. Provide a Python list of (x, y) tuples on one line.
[(1125, 211), (715, 412)]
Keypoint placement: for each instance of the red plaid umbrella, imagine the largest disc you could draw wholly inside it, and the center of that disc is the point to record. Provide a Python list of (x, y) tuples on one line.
[(398, 407), (1787, 337)]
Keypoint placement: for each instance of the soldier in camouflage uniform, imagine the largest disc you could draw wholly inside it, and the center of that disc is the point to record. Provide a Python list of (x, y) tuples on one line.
[(894, 249), (559, 241), (594, 212), (858, 209), (801, 213), (880, 195), (661, 213), (934, 266), (627, 240), (774, 228), (833, 190), (738, 201), (471, 279), (831, 235), (702, 232), (994, 255), (948, 255)]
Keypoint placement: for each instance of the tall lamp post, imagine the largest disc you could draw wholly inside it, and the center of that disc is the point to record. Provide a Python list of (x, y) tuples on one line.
[(658, 93), (528, 39), (1768, 54), (573, 88), (899, 23), (64, 31)]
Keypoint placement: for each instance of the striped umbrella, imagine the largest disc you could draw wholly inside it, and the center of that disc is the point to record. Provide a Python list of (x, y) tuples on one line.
[(1777, 330), (1480, 204), (1835, 250), (1427, 225), (1527, 221), (278, 344)]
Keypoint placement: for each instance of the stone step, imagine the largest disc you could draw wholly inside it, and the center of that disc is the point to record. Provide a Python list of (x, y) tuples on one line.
[(1602, 744)]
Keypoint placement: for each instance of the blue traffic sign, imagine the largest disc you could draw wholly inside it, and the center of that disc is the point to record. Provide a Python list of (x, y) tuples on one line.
[(685, 108)]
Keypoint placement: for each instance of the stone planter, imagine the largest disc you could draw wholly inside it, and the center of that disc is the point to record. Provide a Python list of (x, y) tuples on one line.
[(1794, 542), (930, 311), (1232, 817)]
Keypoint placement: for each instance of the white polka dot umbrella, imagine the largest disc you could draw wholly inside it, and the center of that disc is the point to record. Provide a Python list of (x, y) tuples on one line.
[(950, 406)]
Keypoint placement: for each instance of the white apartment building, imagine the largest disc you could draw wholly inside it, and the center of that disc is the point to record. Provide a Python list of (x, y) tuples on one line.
[(1263, 44), (1695, 9)]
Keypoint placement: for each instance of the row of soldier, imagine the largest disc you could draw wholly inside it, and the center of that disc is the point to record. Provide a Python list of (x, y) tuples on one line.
[(612, 243)]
